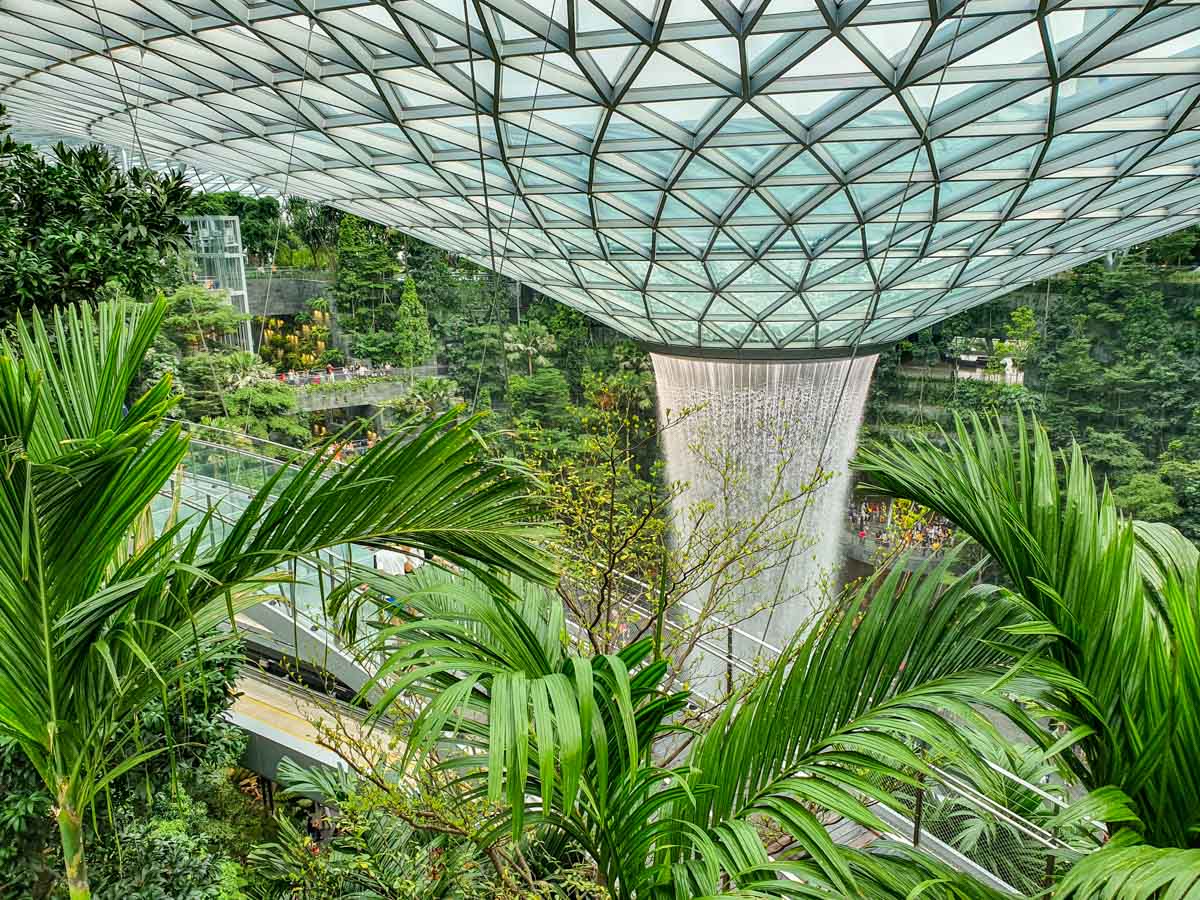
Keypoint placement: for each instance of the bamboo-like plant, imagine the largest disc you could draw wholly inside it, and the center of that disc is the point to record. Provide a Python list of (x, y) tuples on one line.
[(567, 744), (1116, 606), (93, 623)]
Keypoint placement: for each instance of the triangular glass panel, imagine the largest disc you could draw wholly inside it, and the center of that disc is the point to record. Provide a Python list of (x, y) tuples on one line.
[(715, 199), (752, 156), (815, 235), (644, 201), (790, 269), (591, 17), (868, 195), (721, 269), (1022, 45), (611, 60), (688, 114), (664, 277), (623, 128), (792, 197), (725, 52), (689, 11), (693, 302), (664, 246), (696, 237), (892, 40), (837, 204), (754, 207), (660, 162), (849, 154), (701, 168), (757, 276), (755, 235), (721, 308), (830, 58), (582, 120), (662, 71)]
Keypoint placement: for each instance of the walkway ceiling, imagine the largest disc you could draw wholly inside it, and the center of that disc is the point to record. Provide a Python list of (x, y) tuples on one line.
[(742, 175)]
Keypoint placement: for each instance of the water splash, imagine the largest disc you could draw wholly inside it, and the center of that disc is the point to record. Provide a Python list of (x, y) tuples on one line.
[(776, 426)]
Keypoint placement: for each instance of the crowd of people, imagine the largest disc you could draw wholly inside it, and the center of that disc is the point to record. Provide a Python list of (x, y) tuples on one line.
[(911, 530)]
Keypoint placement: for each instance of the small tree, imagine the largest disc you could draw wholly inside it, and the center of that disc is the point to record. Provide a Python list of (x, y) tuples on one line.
[(529, 341), (97, 619), (414, 342), (642, 559), (1022, 337)]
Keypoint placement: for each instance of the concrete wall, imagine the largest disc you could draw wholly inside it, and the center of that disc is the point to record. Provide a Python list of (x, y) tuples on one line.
[(289, 296)]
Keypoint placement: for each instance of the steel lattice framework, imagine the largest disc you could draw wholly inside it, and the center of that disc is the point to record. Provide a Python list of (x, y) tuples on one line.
[(750, 175)]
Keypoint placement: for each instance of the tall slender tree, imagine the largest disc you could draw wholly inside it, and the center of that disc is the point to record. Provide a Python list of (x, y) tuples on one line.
[(94, 622)]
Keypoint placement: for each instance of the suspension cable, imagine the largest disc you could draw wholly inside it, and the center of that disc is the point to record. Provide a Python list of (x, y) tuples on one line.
[(850, 361), (525, 147), (120, 84), (287, 175), (498, 266)]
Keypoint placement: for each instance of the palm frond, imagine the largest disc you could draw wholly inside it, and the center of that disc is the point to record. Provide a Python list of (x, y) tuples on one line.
[(903, 663), (1117, 601)]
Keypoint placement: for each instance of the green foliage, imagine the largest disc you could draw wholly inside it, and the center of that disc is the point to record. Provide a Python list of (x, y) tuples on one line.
[(374, 854), (528, 344), (198, 318), (172, 850), (1113, 604), (303, 343), (1022, 336), (384, 321), (26, 826), (100, 614), (542, 398), (1175, 249), (562, 743), (1112, 360), (426, 396), (75, 223), (316, 225), (1146, 496)]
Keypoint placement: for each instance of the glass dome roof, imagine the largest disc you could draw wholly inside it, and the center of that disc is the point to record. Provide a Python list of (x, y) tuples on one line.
[(749, 176)]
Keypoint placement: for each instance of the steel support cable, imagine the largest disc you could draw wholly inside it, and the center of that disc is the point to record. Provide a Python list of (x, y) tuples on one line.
[(138, 141), (498, 266), (537, 85), (121, 84), (487, 209), (871, 309), (287, 175)]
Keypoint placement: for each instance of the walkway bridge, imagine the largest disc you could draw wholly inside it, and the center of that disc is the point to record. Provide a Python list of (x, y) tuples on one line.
[(220, 474)]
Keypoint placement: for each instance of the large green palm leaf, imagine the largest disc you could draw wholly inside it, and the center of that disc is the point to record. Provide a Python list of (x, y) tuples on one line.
[(1116, 602), (896, 671), (93, 622), (841, 715)]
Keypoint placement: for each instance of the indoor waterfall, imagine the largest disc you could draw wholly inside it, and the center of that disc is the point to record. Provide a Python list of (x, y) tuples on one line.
[(766, 446)]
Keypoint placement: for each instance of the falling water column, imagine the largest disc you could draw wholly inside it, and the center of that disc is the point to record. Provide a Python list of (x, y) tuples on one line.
[(749, 430)]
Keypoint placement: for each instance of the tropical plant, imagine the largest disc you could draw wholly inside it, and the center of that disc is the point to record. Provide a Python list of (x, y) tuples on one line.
[(374, 853), (568, 745), (98, 615), (74, 221), (529, 342), (1115, 605)]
